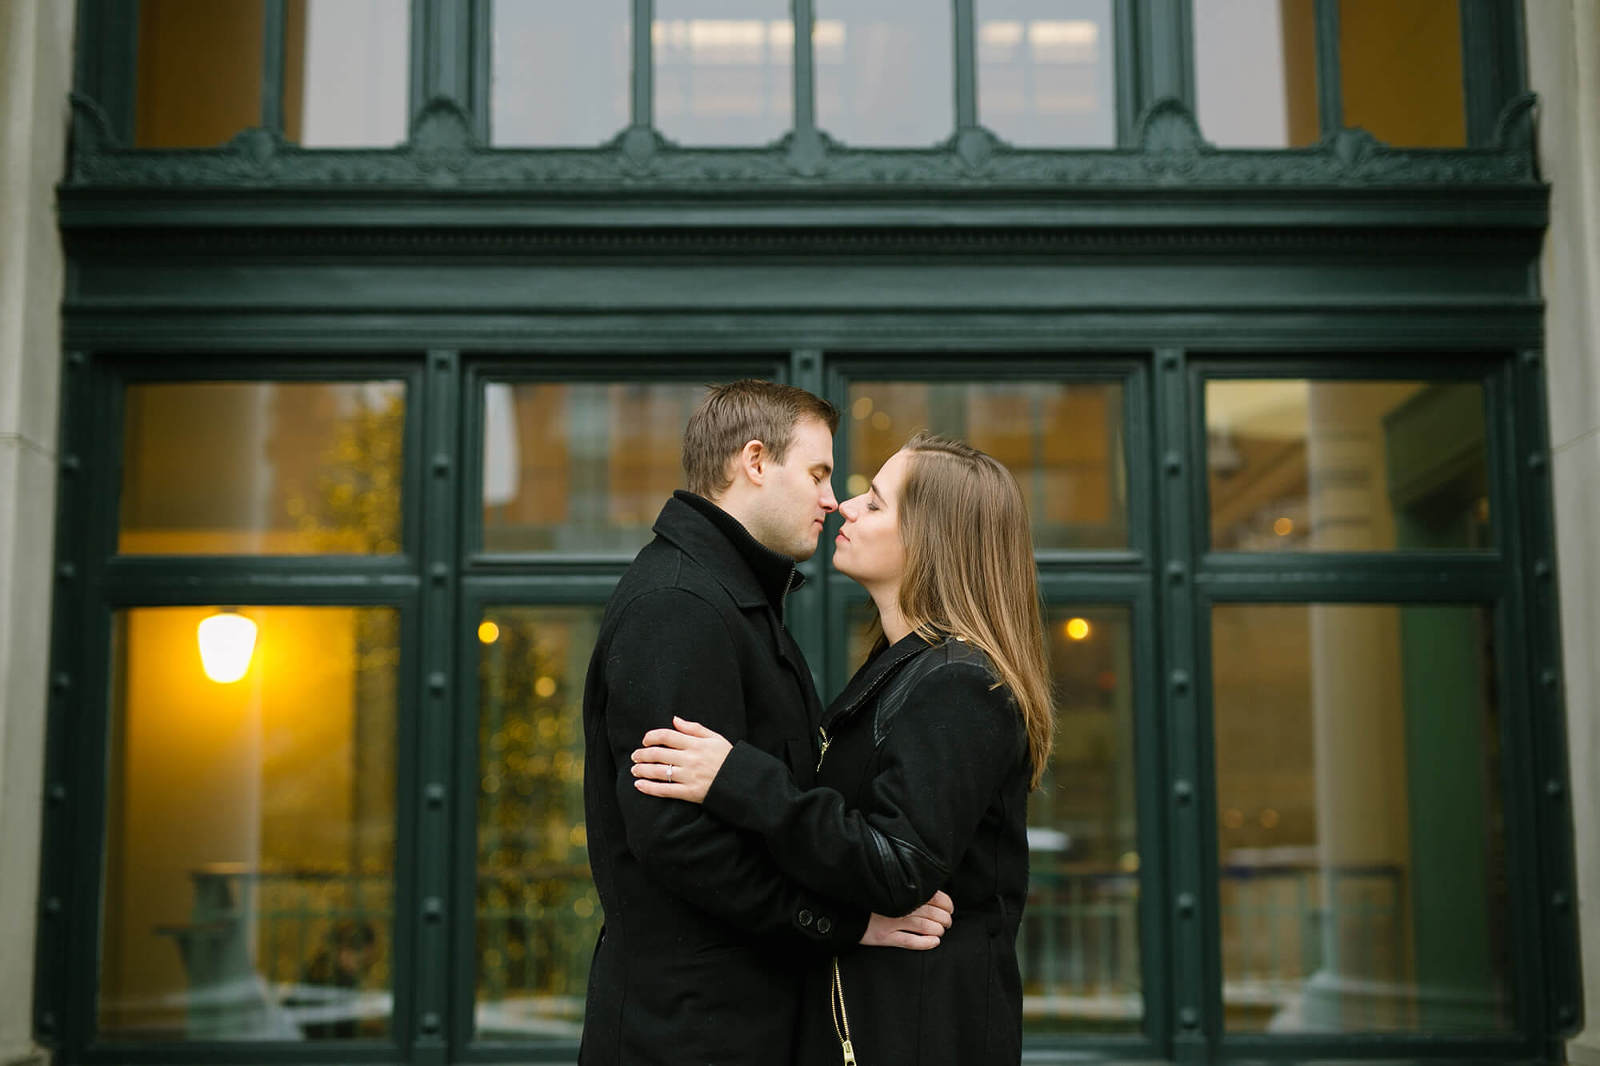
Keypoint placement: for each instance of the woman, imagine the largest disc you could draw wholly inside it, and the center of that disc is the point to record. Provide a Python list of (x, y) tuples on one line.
[(926, 761)]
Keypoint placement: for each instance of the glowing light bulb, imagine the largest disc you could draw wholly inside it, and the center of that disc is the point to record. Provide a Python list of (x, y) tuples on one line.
[(488, 632), (227, 641), (1078, 628)]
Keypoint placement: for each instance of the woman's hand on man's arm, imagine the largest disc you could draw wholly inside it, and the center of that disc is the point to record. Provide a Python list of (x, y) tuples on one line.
[(680, 763)]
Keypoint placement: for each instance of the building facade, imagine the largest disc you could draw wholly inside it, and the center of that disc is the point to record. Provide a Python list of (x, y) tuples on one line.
[(343, 355)]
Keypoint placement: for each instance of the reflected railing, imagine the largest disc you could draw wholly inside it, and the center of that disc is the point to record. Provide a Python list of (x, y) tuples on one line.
[(1078, 946)]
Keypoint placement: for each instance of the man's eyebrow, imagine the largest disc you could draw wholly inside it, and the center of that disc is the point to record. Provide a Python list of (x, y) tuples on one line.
[(823, 465)]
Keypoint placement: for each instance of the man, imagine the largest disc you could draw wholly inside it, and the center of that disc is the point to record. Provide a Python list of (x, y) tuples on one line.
[(705, 944)]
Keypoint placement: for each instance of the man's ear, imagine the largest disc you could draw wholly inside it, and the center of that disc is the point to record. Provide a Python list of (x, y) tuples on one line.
[(752, 462)]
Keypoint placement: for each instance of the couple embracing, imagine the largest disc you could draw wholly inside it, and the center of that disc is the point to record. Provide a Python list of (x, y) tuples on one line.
[(788, 883)]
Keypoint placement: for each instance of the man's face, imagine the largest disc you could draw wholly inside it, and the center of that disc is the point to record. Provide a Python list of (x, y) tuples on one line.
[(797, 494)]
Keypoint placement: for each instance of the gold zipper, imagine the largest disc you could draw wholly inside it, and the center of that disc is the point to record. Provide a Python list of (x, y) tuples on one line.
[(841, 1020), (826, 740)]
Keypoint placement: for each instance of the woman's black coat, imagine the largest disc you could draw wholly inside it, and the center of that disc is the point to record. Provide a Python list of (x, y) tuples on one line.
[(923, 786)]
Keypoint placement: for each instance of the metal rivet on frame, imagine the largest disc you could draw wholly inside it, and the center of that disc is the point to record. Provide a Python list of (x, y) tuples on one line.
[(1183, 790)]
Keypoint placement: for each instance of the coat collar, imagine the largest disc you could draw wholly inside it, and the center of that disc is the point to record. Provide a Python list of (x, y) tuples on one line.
[(752, 573), (872, 675)]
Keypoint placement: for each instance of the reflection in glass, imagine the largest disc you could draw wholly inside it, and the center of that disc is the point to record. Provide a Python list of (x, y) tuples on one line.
[(723, 70), (884, 72), (580, 467), (250, 835), (1255, 71), (1078, 946), (1400, 71), (1063, 442), (1362, 844), (1047, 72), (560, 72), (265, 468), (1346, 466), (1079, 942), (537, 911), (199, 72), (346, 80)]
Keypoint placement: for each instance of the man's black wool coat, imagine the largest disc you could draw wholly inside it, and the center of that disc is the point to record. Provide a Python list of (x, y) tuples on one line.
[(706, 943)]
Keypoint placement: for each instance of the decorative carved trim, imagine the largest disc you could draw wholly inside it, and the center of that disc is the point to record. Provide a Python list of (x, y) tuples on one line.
[(966, 242), (442, 153)]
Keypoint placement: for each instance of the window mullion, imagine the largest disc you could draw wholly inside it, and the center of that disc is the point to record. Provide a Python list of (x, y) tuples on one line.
[(1195, 1016), (643, 113), (805, 94), (966, 61), (1330, 93), (272, 54), (442, 475)]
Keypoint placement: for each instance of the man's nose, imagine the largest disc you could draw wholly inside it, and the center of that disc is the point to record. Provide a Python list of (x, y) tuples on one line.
[(828, 500)]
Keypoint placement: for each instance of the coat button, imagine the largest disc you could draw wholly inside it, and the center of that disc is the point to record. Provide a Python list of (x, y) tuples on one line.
[(824, 926), (804, 917)]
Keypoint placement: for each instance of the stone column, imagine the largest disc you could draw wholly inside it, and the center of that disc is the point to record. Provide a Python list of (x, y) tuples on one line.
[(35, 76), (1564, 69), (1357, 714)]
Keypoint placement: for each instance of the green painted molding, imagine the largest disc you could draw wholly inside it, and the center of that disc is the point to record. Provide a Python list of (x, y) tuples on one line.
[(444, 153)]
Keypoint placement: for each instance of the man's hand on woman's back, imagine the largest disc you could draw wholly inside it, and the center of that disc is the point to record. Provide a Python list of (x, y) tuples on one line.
[(918, 931)]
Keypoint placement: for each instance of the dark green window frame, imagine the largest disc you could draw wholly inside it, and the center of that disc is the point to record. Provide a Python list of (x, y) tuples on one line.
[(1168, 579)]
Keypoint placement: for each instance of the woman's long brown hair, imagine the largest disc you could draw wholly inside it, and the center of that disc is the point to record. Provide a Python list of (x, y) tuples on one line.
[(969, 571)]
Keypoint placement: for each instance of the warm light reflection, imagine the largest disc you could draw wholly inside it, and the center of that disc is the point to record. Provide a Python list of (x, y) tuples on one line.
[(227, 640), (1063, 41), (1283, 526), (727, 41), (858, 484), (1077, 628), (545, 687), (488, 632)]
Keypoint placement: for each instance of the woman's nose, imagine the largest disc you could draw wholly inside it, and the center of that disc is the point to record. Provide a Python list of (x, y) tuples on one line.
[(849, 508)]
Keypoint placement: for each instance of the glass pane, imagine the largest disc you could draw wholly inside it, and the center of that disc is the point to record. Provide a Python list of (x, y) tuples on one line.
[(1346, 466), (1400, 71), (560, 72), (1078, 946), (1047, 72), (265, 468), (1255, 72), (250, 835), (724, 70), (538, 914), (199, 72), (1063, 442), (885, 72), (581, 467), (346, 78), (1079, 943), (1362, 838)]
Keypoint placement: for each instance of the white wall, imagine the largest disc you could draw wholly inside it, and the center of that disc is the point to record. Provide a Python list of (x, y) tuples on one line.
[(1564, 68), (35, 76)]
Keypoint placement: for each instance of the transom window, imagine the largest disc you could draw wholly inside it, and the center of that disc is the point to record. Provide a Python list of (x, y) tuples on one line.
[(1036, 74)]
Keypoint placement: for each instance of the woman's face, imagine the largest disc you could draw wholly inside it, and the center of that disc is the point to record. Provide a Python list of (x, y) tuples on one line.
[(868, 547)]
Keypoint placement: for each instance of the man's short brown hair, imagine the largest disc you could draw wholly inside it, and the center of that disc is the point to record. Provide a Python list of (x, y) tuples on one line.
[(732, 415)]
